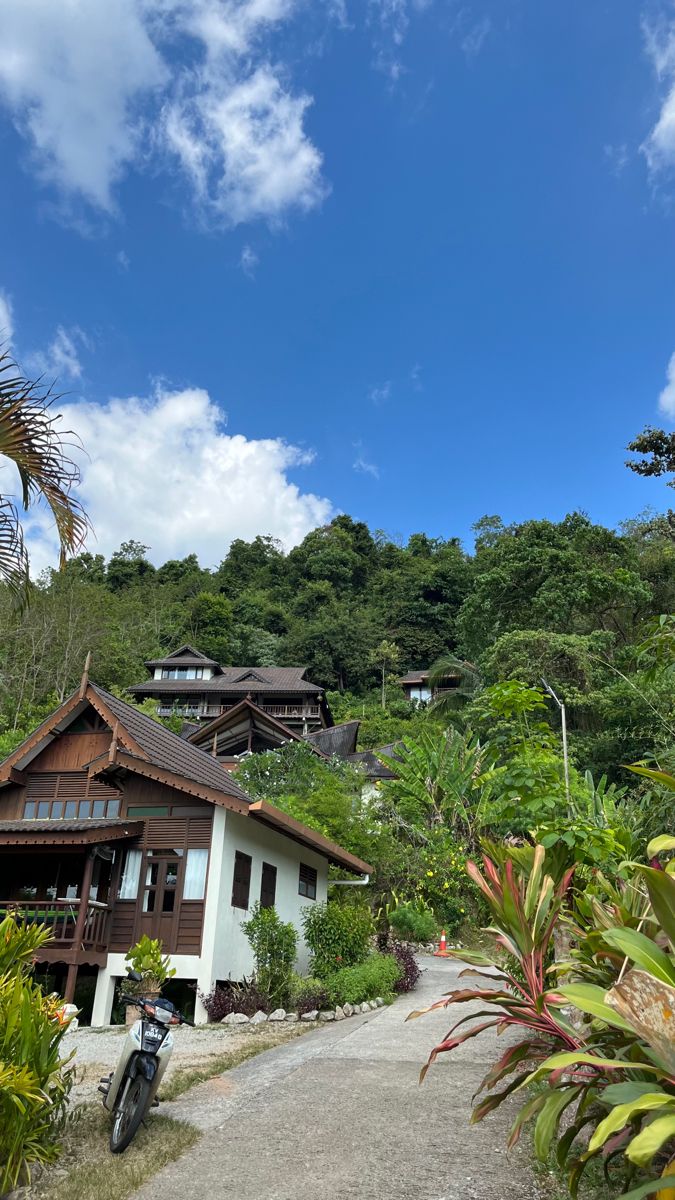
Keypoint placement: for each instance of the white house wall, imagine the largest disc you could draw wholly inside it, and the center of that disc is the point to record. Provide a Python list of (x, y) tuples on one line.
[(225, 952), (232, 956)]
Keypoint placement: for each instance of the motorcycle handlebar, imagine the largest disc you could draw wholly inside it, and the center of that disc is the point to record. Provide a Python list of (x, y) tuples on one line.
[(138, 1001)]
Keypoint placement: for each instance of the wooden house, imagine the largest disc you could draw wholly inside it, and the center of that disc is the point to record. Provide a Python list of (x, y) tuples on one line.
[(111, 827), (191, 685), (417, 688)]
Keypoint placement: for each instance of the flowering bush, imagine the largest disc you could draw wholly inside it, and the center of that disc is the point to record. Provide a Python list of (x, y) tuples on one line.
[(34, 1082)]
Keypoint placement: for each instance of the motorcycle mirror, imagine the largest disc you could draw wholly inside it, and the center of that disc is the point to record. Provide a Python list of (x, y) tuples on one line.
[(134, 976)]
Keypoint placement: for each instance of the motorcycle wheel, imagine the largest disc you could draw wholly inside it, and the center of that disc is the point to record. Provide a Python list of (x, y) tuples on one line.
[(130, 1113)]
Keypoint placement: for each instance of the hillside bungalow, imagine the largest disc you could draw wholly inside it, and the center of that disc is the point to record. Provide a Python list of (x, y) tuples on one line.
[(111, 827), (192, 685), (417, 688)]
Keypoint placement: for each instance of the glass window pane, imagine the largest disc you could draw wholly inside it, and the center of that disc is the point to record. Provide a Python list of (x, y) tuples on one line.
[(130, 875), (195, 874), (85, 809), (113, 808), (168, 901), (71, 809), (57, 810), (171, 874), (29, 810), (149, 900), (43, 810), (98, 808)]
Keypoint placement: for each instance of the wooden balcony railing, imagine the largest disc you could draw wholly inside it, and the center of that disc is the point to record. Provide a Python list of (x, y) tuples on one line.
[(60, 918), (298, 712)]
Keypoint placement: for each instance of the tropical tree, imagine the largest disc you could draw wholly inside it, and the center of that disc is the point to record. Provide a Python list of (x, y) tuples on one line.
[(30, 438), (386, 655)]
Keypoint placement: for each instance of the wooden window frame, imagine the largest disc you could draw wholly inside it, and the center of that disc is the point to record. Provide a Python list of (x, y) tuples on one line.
[(241, 886), (308, 878), (268, 892)]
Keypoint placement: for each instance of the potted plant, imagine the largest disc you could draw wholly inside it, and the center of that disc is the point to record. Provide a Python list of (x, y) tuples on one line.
[(147, 960)]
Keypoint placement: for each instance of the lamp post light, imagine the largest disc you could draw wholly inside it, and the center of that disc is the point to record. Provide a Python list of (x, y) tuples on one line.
[(563, 721)]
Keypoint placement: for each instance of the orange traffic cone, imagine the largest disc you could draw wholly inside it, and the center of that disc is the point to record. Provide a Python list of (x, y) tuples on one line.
[(442, 951)]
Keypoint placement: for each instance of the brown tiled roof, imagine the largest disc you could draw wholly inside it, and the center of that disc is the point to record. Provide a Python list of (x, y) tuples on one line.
[(338, 739), (65, 826), (236, 681), (185, 656), (169, 751), (415, 677)]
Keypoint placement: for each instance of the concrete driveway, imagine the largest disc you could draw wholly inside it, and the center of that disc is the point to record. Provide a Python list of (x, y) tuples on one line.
[(339, 1114)]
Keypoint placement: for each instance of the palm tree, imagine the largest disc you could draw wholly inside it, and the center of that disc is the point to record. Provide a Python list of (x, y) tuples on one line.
[(31, 440), (448, 700)]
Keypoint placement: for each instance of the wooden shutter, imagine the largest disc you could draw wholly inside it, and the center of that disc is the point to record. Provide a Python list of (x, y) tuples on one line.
[(307, 882), (241, 884), (268, 886)]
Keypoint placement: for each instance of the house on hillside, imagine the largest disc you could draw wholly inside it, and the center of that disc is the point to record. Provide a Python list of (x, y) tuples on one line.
[(417, 688), (192, 685), (111, 827)]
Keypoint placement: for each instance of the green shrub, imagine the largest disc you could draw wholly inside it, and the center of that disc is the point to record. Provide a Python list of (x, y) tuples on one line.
[(377, 976), (308, 994), (413, 924), (146, 958), (337, 936), (34, 1083), (274, 944)]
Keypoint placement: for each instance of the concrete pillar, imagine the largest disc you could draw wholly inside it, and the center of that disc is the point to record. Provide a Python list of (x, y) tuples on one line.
[(103, 997)]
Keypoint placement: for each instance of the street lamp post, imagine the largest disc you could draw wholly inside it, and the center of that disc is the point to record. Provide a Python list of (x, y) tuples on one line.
[(563, 722)]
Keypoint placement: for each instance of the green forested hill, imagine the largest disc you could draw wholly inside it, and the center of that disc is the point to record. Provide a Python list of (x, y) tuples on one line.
[(569, 600)]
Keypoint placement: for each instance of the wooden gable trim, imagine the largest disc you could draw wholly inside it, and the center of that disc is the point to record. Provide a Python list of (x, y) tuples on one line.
[(14, 777), (49, 731), (268, 814), (104, 766), (117, 730), (70, 837), (203, 734), (46, 730)]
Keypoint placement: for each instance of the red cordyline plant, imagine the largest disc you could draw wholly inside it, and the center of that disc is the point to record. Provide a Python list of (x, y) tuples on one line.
[(524, 913)]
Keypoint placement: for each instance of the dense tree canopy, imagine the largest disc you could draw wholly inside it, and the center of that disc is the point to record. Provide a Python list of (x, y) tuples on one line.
[(568, 601)]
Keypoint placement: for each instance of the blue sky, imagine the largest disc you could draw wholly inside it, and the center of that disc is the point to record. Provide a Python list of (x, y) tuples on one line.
[(416, 258)]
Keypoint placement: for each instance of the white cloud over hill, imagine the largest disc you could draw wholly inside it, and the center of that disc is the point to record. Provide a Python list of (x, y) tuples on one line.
[(163, 471)]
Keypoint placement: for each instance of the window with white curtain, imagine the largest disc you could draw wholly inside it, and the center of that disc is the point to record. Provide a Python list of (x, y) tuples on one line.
[(194, 886), (130, 875)]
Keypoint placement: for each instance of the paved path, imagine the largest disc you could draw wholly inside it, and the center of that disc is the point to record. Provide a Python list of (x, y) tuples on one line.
[(338, 1115)]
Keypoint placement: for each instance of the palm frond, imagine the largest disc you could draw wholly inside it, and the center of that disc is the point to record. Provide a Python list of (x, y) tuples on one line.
[(469, 683), (30, 437)]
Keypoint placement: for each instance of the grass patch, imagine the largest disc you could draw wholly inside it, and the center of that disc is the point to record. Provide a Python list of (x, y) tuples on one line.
[(88, 1171), (184, 1078)]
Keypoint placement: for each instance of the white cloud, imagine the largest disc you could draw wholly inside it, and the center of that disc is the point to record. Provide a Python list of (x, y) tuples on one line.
[(248, 261), (363, 465), (6, 320), (244, 147), (97, 89), (617, 157), (163, 471), (380, 392), (416, 377), (123, 261), (472, 42), (72, 74), (61, 359), (659, 147), (667, 397)]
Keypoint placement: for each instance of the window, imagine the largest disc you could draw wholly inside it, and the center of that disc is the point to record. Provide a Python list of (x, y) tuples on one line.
[(148, 810), (71, 810), (195, 874), (241, 884), (182, 673), (307, 882), (268, 886), (130, 875)]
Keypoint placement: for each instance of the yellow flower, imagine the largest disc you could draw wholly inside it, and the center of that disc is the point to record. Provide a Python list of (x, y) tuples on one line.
[(461, 910), (430, 874), (446, 885)]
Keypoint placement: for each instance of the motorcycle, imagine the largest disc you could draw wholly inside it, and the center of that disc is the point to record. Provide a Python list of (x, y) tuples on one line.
[(131, 1090)]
